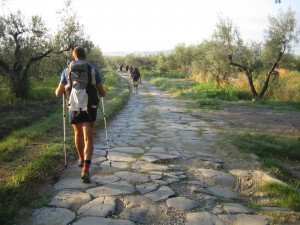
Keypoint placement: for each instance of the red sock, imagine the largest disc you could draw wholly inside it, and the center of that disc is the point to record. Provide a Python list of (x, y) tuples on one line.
[(86, 165)]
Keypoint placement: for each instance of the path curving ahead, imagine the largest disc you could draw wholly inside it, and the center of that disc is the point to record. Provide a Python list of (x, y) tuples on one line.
[(164, 171)]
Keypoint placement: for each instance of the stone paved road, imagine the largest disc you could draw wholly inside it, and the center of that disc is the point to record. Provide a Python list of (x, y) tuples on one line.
[(164, 171)]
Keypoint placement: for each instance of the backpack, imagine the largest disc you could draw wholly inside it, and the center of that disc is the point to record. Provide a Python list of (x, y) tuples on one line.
[(136, 75), (82, 91)]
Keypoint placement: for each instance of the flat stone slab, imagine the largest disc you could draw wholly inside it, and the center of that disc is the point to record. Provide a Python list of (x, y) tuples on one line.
[(148, 166), (114, 165), (182, 203), (102, 206), (133, 178), (155, 175), (121, 157), (137, 215), (133, 150), (223, 193), (146, 188), (161, 194), (52, 216), (233, 208), (72, 183), (218, 177), (102, 221), (154, 157), (245, 219), (113, 189), (70, 199), (156, 149), (108, 179), (204, 218)]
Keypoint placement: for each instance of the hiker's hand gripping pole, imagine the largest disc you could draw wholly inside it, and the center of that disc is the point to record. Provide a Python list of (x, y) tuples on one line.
[(105, 127), (64, 125)]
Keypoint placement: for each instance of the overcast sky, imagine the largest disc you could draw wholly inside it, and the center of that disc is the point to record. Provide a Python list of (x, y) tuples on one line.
[(154, 25)]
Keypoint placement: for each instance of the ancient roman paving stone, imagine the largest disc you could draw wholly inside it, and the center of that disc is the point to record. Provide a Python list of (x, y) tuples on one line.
[(133, 150), (72, 183), (114, 166), (223, 193), (113, 189), (105, 179), (52, 216), (233, 208), (245, 219), (253, 179), (182, 203), (121, 157), (155, 175), (102, 221), (140, 165), (154, 157), (147, 187), (161, 194), (133, 178), (71, 199), (102, 206), (203, 218), (218, 177), (156, 149)]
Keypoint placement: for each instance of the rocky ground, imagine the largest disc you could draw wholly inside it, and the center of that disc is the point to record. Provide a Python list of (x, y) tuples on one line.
[(166, 168)]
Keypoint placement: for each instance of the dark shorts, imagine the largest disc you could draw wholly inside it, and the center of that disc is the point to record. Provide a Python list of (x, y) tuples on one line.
[(83, 117)]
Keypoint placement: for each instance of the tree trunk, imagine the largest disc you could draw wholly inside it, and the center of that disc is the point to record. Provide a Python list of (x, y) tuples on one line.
[(252, 88)]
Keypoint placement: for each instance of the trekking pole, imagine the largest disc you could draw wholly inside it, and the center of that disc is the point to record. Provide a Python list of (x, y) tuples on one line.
[(105, 127), (64, 124)]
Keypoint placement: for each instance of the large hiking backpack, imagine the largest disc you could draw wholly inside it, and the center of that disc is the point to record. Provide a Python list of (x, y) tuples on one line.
[(82, 91)]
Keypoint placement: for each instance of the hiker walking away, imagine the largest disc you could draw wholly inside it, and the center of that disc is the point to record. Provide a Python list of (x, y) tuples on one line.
[(131, 70), (82, 84), (127, 67), (121, 68), (136, 79)]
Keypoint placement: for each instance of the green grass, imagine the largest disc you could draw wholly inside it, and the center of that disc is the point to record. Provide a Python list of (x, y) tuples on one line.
[(35, 153), (282, 196), (272, 151), (209, 95), (203, 95)]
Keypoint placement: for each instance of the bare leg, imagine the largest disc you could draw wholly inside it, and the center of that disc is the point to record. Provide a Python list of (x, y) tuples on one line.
[(79, 141)]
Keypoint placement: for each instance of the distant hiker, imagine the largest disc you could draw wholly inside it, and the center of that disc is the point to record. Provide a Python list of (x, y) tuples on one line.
[(131, 70), (136, 79), (121, 68), (127, 67), (82, 84)]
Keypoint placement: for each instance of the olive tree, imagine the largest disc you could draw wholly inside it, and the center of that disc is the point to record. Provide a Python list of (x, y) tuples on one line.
[(211, 62), (259, 60), (21, 45)]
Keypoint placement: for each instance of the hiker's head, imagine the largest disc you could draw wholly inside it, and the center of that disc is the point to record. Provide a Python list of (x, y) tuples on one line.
[(78, 53)]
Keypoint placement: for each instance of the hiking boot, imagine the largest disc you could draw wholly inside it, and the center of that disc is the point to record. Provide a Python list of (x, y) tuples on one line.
[(85, 177), (80, 163)]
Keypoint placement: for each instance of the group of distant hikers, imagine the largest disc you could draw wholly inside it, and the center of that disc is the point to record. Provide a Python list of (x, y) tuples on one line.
[(81, 85), (135, 76)]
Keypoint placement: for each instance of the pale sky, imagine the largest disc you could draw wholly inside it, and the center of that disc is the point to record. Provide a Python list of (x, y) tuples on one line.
[(155, 25)]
